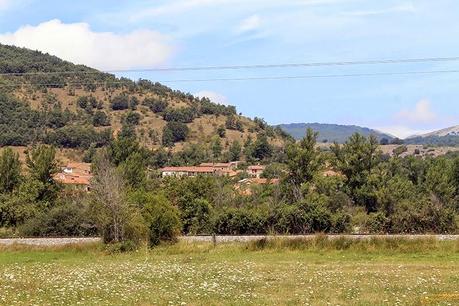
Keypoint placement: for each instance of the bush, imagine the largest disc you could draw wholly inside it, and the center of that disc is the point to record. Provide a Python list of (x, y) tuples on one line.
[(377, 223), (174, 132), (195, 216), (161, 218), (184, 115), (120, 102), (100, 118), (69, 220), (241, 221), (132, 118), (156, 106), (233, 123), (303, 218)]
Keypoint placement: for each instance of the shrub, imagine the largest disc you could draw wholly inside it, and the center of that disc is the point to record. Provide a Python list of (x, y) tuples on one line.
[(156, 106), (195, 216), (120, 102), (132, 118), (302, 218), (233, 123), (100, 118), (241, 221), (161, 218), (69, 219), (174, 132), (184, 115)]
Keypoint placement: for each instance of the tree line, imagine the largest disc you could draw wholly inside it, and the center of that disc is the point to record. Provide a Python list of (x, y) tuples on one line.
[(353, 188)]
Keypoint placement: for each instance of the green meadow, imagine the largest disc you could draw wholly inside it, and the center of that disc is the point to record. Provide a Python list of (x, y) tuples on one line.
[(297, 272)]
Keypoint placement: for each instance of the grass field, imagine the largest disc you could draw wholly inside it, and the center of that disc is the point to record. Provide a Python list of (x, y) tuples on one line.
[(318, 272)]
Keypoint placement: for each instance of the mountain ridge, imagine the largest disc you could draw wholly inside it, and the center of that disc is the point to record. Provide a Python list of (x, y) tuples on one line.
[(331, 132)]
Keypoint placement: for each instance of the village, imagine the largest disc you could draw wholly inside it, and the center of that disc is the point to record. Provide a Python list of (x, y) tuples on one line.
[(78, 175)]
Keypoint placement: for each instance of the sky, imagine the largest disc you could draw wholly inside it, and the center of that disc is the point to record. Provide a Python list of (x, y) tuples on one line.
[(119, 35)]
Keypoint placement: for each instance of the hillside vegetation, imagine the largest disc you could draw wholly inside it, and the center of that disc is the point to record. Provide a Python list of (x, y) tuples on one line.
[(331, 132), (44, 99)]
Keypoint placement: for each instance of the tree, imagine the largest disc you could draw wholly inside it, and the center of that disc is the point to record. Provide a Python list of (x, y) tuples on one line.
[(161, 218), (42, 164), (216, 148), (10, 170), (121, 148), (133, 170), (235, 151), (304, 161), (262, 149), (132, 118), (174, 132), (156, 106), (356, 160), (120, 102), (384, 141), (100, 118), (115, 217)]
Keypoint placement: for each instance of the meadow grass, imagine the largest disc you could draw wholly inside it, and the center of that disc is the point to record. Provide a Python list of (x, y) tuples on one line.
[(266, 272)]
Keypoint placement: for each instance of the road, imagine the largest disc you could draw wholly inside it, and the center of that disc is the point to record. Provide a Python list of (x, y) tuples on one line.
[(218, 239)]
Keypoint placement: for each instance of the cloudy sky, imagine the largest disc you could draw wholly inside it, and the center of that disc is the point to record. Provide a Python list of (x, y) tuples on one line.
[(120, 35)]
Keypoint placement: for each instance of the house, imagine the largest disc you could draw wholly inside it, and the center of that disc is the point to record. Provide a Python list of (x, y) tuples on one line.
[(187, 171), (198, 170), (244, 186), (221, 166), (77, 168), (255, 171), (76, 175)]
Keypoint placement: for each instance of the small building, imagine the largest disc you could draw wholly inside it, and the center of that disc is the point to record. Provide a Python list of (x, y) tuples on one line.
[(197, 170), (76, 175), (187, 171), (221, 166), (255, 171), (244, 187)]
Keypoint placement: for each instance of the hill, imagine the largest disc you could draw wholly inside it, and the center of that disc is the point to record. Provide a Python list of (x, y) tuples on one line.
[(330, 132), (44, 99), (443, 137)]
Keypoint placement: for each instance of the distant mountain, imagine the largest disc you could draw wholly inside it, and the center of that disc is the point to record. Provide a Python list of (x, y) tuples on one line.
[(451, 131), (331, 132), (443, 137)]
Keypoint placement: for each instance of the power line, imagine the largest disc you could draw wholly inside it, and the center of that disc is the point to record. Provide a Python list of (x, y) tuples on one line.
[(249, 78), (240, 67)]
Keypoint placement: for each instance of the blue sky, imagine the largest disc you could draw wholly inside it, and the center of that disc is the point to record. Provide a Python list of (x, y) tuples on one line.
[(114, 35)]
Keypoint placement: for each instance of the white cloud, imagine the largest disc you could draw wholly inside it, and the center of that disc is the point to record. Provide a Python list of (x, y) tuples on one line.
[(249, 24), (213, 96), (422, 113), (402, 131), (403, 8), (76, 42)]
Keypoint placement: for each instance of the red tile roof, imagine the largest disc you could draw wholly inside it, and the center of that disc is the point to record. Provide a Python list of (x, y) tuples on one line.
[(256, 167), (189, 169), (69, 179)]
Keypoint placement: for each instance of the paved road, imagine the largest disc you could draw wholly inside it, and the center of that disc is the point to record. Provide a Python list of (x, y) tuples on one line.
[(47, 241), (356, 237), (218, 239)]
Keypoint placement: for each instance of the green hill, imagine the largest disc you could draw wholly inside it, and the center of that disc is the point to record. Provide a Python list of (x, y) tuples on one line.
[(330, 132), (44, 99)]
